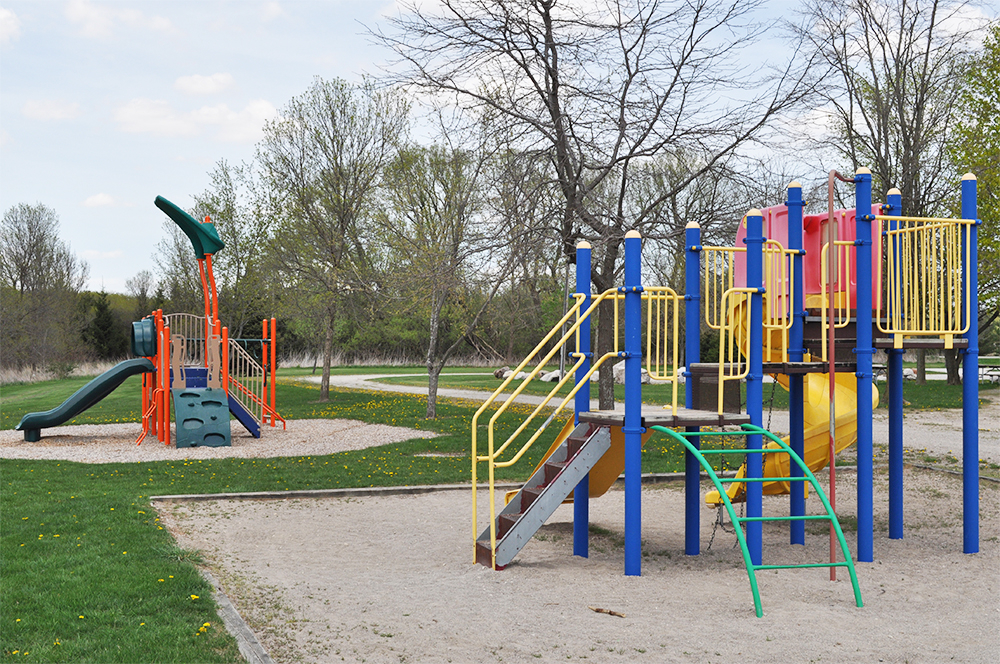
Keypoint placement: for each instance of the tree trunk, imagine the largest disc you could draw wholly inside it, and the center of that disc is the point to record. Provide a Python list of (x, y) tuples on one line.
[(433, 374), (324, 385), (921, 366), (433, 365), (951, 365)]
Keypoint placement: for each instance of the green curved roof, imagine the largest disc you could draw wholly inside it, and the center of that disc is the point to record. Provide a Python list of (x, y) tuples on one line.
[(204, 238)]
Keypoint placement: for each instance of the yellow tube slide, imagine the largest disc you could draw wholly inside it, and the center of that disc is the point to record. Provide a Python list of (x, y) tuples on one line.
[(816, 452)]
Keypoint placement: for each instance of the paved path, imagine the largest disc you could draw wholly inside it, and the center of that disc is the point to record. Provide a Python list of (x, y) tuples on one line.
[(936, 431)]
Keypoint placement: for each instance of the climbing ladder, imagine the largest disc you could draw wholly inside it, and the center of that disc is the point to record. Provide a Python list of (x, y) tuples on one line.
[(829, 514), (541, 495)]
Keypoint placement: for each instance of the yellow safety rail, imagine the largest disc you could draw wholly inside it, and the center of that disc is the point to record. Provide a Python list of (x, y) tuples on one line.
[(725, 306), (923, 282), (662, 314), (841, 287)]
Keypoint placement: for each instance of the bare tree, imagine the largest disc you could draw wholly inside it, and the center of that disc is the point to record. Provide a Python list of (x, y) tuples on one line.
[(601, 88), (897, 74), (898, 70), (324, 157)]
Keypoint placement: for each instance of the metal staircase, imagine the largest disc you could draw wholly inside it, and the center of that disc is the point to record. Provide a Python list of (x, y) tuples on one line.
[(541, 495)]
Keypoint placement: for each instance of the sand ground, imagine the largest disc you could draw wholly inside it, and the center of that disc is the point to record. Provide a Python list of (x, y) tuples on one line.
[(390, 579)]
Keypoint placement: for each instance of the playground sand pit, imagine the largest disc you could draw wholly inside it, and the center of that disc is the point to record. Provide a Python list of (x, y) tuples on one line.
[(391, 579), (115, 443)]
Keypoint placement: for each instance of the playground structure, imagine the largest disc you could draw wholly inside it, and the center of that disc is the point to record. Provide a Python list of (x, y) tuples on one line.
[(191, 360), (784, 304)]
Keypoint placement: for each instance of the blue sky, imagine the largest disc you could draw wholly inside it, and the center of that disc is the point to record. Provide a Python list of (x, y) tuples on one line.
[(105, 105)]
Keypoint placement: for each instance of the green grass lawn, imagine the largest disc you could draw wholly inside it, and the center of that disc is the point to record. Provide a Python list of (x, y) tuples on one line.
[(83, 540)]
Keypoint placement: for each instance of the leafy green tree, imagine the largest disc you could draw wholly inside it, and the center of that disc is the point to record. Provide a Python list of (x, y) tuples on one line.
[(240, 206), (323, 158), (40, 282), (975, 148)]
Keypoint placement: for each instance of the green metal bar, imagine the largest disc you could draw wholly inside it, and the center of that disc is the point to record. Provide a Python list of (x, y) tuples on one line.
[(738, 480), (742, 450), (826, 504), (810, 477), (842, 564), (729, 508), (813, 517)]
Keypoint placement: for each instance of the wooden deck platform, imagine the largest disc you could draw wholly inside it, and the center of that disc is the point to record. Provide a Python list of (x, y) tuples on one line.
[(654, 415)]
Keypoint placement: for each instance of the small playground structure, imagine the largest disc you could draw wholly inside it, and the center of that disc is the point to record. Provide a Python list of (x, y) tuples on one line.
[(188, 359), (804, 298)]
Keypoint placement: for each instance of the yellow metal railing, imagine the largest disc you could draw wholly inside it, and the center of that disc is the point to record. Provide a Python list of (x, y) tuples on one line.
[(662, 346), (726, 306), (842, 303), (923, 281)]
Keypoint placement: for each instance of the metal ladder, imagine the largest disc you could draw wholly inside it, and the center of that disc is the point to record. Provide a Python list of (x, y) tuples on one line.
[(807, 475)]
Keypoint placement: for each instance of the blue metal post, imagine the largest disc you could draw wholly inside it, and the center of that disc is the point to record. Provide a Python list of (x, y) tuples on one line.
[(863, 353), (894, 206), (692, 354), (581, 494), (970, 377), (755, 380), (796, 407), (633, 404)]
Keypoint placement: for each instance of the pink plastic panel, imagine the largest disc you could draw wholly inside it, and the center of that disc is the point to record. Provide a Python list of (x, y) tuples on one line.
[(776, 228)]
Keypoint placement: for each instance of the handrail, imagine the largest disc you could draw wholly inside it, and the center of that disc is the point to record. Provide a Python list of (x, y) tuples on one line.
[(661, 303), (732, 366), (923, 284), (842, 287), (248, 376)]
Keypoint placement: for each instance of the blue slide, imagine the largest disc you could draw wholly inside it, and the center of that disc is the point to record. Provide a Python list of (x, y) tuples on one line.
[(88, 395)]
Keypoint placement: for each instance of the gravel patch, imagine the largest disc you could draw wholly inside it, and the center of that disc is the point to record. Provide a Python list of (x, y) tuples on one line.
[(115, 443)]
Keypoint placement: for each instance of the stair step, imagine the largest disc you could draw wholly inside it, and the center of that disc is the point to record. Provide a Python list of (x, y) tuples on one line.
[(484, 556), (506, 522), (574, 444), (552, 469), (530, 495)]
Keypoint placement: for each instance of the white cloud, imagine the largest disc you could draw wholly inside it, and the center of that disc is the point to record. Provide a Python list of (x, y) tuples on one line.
[(93, 254), (271, 11), (99, 200), (157, 117), (204, 85), (153, 116), (98, 21), (10, 26), (50, 109), (4, 138)]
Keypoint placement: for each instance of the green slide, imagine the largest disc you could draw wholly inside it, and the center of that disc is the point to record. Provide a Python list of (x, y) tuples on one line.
[(33, 423)]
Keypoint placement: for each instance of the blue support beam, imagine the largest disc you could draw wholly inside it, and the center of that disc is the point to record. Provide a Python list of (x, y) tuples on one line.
[(755, 380), (863, 353), (796, 401), (894, 207), (970, 375), (692, 354), (581, 494), (633, 404)]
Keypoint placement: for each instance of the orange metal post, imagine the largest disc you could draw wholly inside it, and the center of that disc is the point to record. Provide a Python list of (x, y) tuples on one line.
[(165, 417), (211, 286), (274, 408), (160, 371)]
